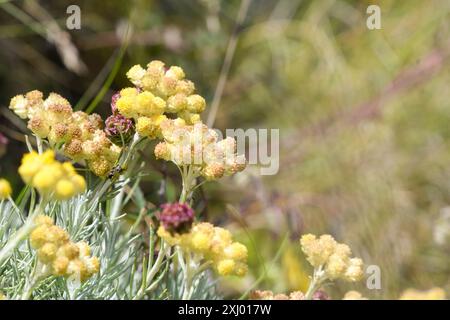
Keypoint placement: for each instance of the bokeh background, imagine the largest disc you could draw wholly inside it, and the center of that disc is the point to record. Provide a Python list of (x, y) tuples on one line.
[(364, 118)]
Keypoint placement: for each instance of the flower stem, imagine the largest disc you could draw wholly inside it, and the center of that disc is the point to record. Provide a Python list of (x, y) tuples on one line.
[(316, 281)]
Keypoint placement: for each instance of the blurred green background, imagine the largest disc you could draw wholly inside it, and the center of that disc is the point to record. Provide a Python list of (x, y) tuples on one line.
[(364, 117)]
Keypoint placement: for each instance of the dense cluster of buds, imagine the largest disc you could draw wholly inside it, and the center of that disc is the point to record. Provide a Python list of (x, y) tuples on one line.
[(168, 89), (5, 189), (50, 177), (118, 128), (176, 217), (212, 244), (59, 254), (77, 134), (199, 147), (163, 106), (334, 258)]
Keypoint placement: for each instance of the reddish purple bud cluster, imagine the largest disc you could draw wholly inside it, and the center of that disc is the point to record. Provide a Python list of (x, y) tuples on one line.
[(320, 295), (176, 217), (118, 127)]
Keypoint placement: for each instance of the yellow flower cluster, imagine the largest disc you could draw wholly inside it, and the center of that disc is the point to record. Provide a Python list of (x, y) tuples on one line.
[(145, 108), (213, 244), (5, 189), (78, 134), (63, 257), (269, 295), (50, 177), (432, 294), (333, 257), (158, 91), (199, 146), (168, 89)]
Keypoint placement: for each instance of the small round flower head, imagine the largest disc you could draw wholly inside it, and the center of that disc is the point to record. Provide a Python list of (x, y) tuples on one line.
[(5, 189), (176, 217), (79, 135), (39, 125), (100, 167), (63, 257), (317, 250), (353, 295), (26, 106), (150, 126), (74, 149), (119, 128), (213, 171), (162, 151), (195, 103), (135, 74), (58, 109)]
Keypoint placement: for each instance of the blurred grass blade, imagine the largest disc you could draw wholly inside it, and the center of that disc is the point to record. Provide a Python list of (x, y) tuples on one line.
[(112, 75)]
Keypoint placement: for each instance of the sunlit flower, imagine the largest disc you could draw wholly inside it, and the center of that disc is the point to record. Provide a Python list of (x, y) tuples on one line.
[(5, 189), (63, 257), (50, 177), (213, 244)]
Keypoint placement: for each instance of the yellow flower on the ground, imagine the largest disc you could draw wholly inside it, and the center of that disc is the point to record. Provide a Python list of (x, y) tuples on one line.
[(5, 189)]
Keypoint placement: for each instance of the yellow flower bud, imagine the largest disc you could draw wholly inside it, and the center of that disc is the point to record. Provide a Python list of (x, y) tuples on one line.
[(47, 252), (196, 103), (135, 74), (5, 189), (225, 267), (65, 189), (60, 265)]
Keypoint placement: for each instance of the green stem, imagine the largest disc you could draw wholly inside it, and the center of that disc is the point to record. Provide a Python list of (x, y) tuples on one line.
[(316, 281), (37, 275), (21, 234)]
